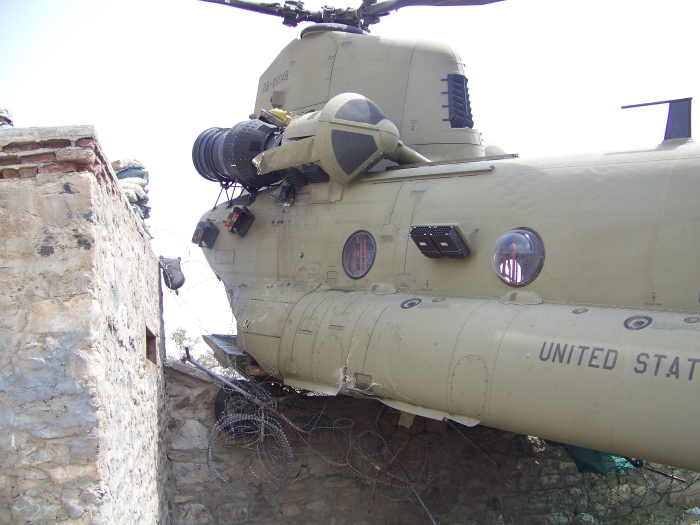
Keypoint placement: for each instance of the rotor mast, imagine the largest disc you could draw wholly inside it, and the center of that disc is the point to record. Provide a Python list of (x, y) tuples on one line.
[(370, 12)]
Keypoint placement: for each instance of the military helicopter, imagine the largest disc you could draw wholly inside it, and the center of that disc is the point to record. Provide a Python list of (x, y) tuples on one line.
[(378, 249)]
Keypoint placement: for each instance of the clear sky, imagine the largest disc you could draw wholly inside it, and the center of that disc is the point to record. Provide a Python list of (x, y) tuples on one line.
[(546, 77)]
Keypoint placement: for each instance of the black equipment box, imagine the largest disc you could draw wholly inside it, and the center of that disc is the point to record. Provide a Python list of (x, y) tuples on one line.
[(440, 241), (205, 234), (421, 236), (239, 221)]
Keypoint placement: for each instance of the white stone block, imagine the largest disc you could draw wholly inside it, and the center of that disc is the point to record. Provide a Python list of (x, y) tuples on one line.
[(192, 435)]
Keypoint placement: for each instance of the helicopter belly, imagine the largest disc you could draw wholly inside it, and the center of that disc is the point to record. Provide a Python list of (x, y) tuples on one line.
[(607, 379)]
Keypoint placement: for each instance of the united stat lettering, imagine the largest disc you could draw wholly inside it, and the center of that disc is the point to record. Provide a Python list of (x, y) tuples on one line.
[(593, 357), (660, 365), (658, 362)]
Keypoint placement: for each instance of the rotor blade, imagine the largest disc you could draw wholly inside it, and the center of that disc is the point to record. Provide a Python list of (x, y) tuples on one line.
[(391, 5), (270, 8), (291, 13)]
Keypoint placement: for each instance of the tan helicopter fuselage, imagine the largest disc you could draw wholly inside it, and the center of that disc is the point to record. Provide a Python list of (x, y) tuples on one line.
[(560, 358)]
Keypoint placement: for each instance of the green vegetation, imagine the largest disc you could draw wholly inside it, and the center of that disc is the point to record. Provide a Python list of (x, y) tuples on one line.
[(205, 356)]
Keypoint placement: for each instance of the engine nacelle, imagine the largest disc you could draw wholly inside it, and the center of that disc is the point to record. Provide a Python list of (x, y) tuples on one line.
[(224, 155), (349, 136)]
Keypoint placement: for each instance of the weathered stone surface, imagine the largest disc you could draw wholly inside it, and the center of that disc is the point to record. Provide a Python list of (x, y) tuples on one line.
[(77, 155), (194, 514), (318, 506), (232, 513), (86, 143), (80, 433), (35, 509), (192, 435), (57, 167), (292, 497), (8, 159), (318, 467), (191, 473), (686, 498), (291, 510), (96, 169), (56, 142), (337, 481), (24, 139), (38, 158), (23, 144), (60, 316), (262, 511), (28, 173)]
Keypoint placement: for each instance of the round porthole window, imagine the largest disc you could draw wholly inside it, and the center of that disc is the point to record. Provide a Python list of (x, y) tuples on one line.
[(518, 256), (358, 254)]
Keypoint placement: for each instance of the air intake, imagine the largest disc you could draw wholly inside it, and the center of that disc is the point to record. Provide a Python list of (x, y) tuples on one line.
[(460, 112)]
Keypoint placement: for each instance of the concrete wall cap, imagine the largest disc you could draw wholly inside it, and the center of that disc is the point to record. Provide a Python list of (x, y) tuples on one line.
[(9, 135), (188, 370)]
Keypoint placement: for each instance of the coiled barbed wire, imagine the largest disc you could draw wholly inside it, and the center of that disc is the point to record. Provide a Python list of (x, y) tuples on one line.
[(251, 411), (268, 428)]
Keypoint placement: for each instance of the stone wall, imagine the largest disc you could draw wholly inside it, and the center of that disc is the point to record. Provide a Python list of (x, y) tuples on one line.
[(189, 398), (80, 315), (317, 491), (342, 473)]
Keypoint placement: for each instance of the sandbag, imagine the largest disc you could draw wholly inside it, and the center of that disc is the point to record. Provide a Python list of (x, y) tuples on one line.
[(122, 164), (133, 173), (172, 273)]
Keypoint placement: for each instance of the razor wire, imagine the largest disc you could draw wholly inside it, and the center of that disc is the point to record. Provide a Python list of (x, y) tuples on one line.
[(259, 442)]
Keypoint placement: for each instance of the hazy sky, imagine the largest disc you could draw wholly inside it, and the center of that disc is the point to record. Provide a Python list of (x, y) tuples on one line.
[(546, 77)]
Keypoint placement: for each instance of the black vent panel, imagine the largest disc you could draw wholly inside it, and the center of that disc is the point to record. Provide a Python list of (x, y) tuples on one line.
[(460, 111), (440, 241), (421, 236)]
